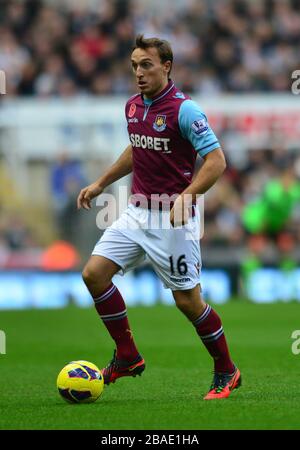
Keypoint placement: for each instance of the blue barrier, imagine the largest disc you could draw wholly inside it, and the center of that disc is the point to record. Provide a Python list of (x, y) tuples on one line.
[(33, 289)]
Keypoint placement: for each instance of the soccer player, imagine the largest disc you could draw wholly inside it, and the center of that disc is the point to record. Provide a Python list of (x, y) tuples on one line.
[(166, 131)]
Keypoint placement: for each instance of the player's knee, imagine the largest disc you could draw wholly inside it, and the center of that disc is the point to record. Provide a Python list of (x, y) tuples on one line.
[(92, 278), (87, 275), (183, 304), (191, 307)]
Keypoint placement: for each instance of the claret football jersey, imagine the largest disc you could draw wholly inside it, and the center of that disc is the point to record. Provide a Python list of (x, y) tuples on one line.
[(166, 134)]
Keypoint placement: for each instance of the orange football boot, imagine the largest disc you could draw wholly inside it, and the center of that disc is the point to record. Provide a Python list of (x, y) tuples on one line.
[(223, 384), (118, 368)]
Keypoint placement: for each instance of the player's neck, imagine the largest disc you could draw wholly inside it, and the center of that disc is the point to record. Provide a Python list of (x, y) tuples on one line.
[(156, 93)]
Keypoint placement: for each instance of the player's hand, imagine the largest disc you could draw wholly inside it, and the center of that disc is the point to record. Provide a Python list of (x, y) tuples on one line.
[(179, 214), (87, 194)]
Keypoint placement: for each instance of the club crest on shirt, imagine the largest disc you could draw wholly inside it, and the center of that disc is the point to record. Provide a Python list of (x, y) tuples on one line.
[(159, 123)]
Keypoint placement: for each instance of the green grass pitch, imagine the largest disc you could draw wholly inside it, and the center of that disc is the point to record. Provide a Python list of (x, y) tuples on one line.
[(178, 373)]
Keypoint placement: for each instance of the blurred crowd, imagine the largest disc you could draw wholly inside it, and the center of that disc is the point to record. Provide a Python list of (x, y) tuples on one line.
[(15, 234), (68, 48), (21, 243), (256, 206), (79, 47)]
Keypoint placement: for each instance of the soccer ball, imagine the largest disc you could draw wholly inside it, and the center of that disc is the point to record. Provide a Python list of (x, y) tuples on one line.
[(80, 382)]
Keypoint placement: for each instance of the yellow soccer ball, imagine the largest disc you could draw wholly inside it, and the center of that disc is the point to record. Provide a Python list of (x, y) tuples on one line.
[(80, 382)]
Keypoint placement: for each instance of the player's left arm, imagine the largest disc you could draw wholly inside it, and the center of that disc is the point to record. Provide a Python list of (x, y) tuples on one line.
[(195, 128), (212, 168)]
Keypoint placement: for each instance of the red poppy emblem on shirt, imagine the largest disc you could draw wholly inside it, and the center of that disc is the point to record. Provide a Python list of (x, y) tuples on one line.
[(132, 110)]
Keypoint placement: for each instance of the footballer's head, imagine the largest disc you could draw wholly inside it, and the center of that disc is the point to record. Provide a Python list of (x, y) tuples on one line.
[(151, 61)]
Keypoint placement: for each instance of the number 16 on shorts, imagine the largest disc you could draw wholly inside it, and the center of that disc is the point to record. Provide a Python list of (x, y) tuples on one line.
[(181, 265)]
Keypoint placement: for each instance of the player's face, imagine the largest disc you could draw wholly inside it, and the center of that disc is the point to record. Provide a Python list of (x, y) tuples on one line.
[(151, 74)]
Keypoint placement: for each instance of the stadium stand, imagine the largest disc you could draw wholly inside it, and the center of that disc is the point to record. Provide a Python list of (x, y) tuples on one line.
[(64, 50)]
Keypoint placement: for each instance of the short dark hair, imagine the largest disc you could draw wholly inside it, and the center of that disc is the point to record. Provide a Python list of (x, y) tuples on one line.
[(163, 47)]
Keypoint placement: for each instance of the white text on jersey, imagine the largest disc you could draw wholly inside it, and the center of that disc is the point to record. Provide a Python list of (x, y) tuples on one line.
[(149, 142)]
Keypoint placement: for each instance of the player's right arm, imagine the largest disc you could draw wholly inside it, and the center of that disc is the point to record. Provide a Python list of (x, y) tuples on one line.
[(121, 168)]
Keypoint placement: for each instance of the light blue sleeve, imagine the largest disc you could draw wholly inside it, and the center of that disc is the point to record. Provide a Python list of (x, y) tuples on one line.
[(195, 128)]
